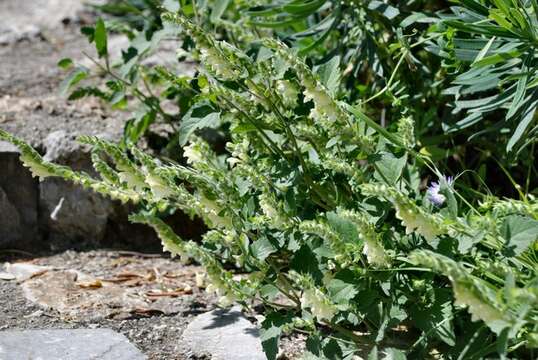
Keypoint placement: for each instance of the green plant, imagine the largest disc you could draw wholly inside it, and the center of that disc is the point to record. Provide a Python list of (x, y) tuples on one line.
[(491, 47), (317, 212)]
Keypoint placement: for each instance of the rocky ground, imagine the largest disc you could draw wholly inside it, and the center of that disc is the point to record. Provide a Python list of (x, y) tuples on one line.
[(34, 36), (129, 308), (156, 302)]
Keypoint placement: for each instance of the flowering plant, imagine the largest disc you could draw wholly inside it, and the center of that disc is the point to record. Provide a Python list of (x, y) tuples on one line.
[(317, 213)]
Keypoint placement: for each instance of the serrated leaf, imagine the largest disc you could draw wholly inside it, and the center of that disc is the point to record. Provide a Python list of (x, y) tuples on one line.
[(520, 233), (394, 354), (329, 74), (270, 333), (346, 229), (198, 117), (218, 9), (262, 248), (269, 292), (389, 168), (341, 291), (305, 262)]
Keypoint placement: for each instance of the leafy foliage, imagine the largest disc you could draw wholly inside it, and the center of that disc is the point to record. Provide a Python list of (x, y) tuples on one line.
[(317, 211), (491, 46)]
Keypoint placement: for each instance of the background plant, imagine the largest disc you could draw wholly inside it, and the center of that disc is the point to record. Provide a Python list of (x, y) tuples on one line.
[(317, 212)]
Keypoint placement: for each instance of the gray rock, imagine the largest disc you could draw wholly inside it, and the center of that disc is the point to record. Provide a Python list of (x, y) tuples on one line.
[(223, 335), (79, 344), (18, 201), (67, 211)]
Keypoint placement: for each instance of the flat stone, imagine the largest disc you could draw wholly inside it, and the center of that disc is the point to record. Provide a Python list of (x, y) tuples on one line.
[(78, 344), (70, 213), (222, 335), (18, 201), (25, 271)]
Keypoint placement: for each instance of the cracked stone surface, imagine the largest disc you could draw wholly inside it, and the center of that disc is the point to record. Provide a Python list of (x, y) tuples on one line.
[(223, 335), (80, 344)]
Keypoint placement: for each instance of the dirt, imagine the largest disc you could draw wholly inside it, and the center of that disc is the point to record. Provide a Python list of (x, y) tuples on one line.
[(30, 104), (156, 334)]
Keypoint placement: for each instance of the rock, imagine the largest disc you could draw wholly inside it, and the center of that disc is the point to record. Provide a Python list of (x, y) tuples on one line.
[(25, 271), (76, 295), (223, 335), (18, 201), (69, 213), (78, 344)]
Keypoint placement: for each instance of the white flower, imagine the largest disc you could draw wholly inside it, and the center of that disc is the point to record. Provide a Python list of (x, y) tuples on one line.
[(212, 210), (226, 300), (479, 309), (414, 220), (37, 169), (158, 187), (192, 153), (324, 106), (288, 92), (213, 59), (269, 209), (375, 253), (132, 180), (319, 306)]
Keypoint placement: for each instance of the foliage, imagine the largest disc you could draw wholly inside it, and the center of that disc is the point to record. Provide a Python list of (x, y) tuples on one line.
[(318, 212), (491, 47)]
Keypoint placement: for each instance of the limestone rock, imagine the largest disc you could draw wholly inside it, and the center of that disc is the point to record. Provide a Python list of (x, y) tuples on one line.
[(223, 335), (18, 201), (78, 344), (70, 213)]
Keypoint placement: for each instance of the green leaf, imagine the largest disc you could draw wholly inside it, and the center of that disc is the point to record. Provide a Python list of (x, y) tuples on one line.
[(74, 77), (100, 38), (436, 319), (388, 11), (269, 292), (171, 5), (198, 117), (475, 6), (346, 229), (394, 354), (341, 291), (389, 168), (520, 233), (270, 333), (218, 9), (524, 123), (497, 58), (303, 8), (329, 74), (305, 262), (484, 50), (65, 63), (520, 91), (262, 248)]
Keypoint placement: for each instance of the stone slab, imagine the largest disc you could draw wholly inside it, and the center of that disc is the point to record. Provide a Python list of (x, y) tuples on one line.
[(223, 335), (78, 344), (18, 201)]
